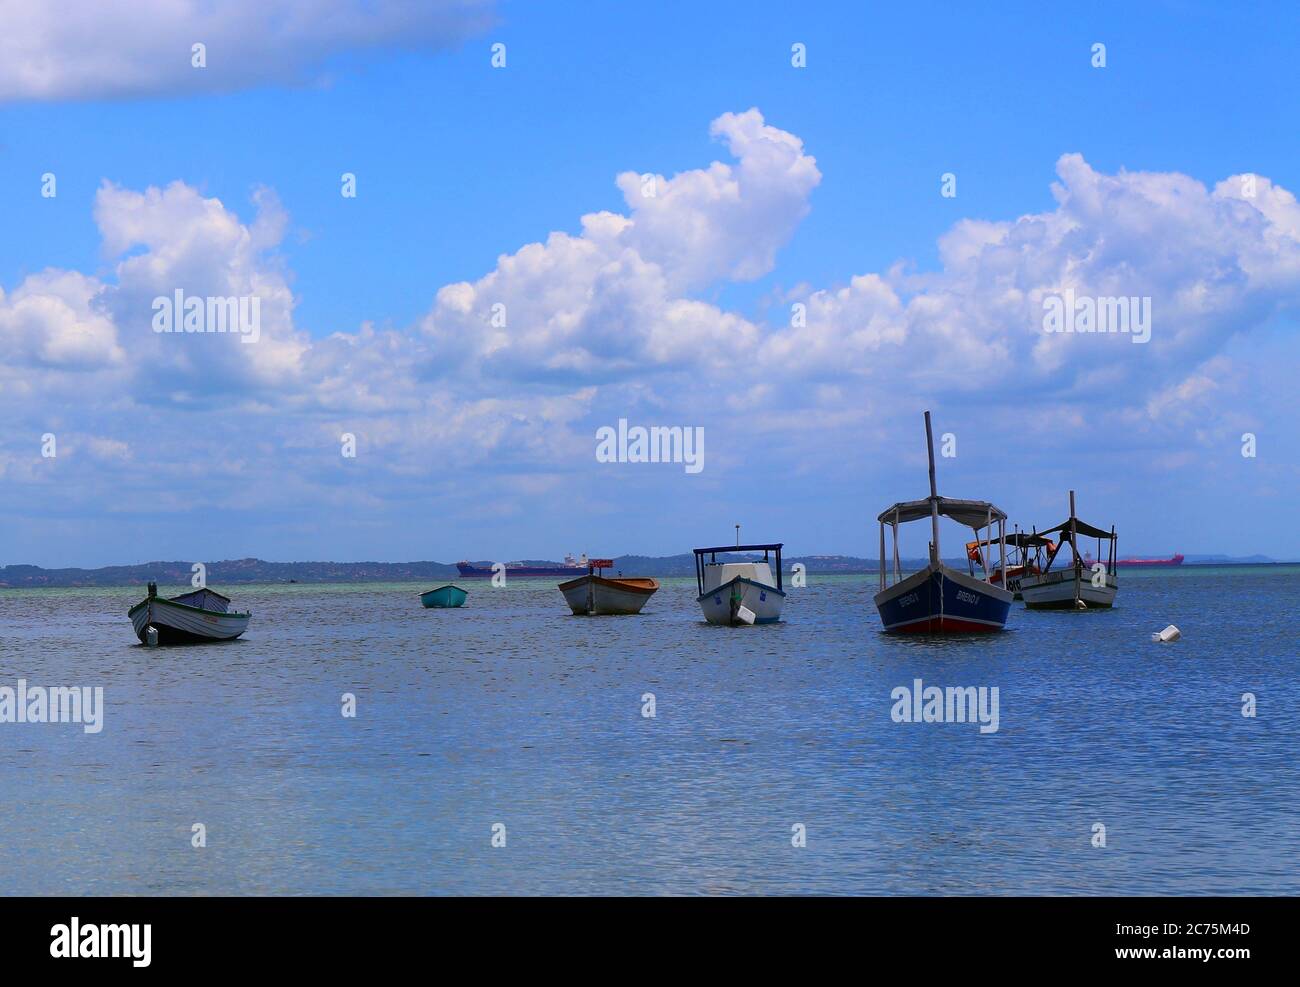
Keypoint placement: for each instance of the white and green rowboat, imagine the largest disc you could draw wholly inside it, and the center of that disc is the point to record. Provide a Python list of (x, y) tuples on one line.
[(192, 618)]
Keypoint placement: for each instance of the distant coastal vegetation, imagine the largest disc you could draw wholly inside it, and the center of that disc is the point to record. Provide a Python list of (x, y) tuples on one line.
[(245, 571)]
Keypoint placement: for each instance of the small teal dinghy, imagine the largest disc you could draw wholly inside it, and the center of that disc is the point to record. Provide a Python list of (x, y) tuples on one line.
[(444, 596)]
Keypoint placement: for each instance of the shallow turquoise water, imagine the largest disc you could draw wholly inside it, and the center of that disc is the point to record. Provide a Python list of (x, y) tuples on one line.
[(510, 711)]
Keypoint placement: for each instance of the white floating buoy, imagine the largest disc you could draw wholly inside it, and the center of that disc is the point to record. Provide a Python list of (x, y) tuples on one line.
[(151, 636), (1170, 633), (745, 615)]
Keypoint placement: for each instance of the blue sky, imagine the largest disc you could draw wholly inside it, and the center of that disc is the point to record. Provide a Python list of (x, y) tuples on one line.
[(481, 444)]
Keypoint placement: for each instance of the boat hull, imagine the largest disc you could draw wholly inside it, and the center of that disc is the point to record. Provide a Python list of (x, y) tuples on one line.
[(444, 597), (1014, 574), (179, 624), (721, 605), (1059, 590), (598, 596), (941, 600)]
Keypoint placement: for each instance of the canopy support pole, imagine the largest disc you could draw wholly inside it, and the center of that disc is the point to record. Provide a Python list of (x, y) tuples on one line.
[(1074, 548), (882, 555), (934, 495), (898, 568), (1002, 542), (988, 556)]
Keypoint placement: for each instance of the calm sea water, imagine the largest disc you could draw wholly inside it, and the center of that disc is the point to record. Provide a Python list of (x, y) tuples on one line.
[(510, 711)]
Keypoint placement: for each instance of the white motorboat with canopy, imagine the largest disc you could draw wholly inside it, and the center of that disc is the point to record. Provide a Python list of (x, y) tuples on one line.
[(735, 592)]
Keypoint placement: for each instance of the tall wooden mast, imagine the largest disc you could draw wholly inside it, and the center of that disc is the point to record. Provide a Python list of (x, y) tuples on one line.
[(934, 495)]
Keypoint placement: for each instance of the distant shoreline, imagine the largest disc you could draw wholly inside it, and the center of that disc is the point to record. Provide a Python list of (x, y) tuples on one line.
[(251, 571)]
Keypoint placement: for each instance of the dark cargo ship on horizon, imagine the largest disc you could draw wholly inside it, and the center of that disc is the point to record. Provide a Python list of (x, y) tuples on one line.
[(571, 567)]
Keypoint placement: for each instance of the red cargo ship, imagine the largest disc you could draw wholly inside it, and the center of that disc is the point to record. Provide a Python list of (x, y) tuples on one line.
[(1142, 563)]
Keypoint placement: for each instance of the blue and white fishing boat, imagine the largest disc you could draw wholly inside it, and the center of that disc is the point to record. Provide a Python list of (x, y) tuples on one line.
[(443, 597), (940, 599), (739, 592)]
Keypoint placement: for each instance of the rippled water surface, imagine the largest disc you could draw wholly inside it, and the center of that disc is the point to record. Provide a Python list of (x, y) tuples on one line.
[(509, 711)]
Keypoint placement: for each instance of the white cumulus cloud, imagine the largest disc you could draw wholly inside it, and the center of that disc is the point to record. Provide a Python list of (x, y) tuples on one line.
[(508, 373), (87, 49)]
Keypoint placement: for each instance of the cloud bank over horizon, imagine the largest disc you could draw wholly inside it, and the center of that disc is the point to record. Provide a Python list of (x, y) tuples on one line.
[(505, 378), (82, 49)]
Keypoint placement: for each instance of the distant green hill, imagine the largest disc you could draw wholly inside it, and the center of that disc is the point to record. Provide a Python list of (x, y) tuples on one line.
[(236, 571), (226, 573)]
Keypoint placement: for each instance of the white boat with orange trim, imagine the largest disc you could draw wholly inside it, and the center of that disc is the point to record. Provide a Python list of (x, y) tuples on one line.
[(602, 596)]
